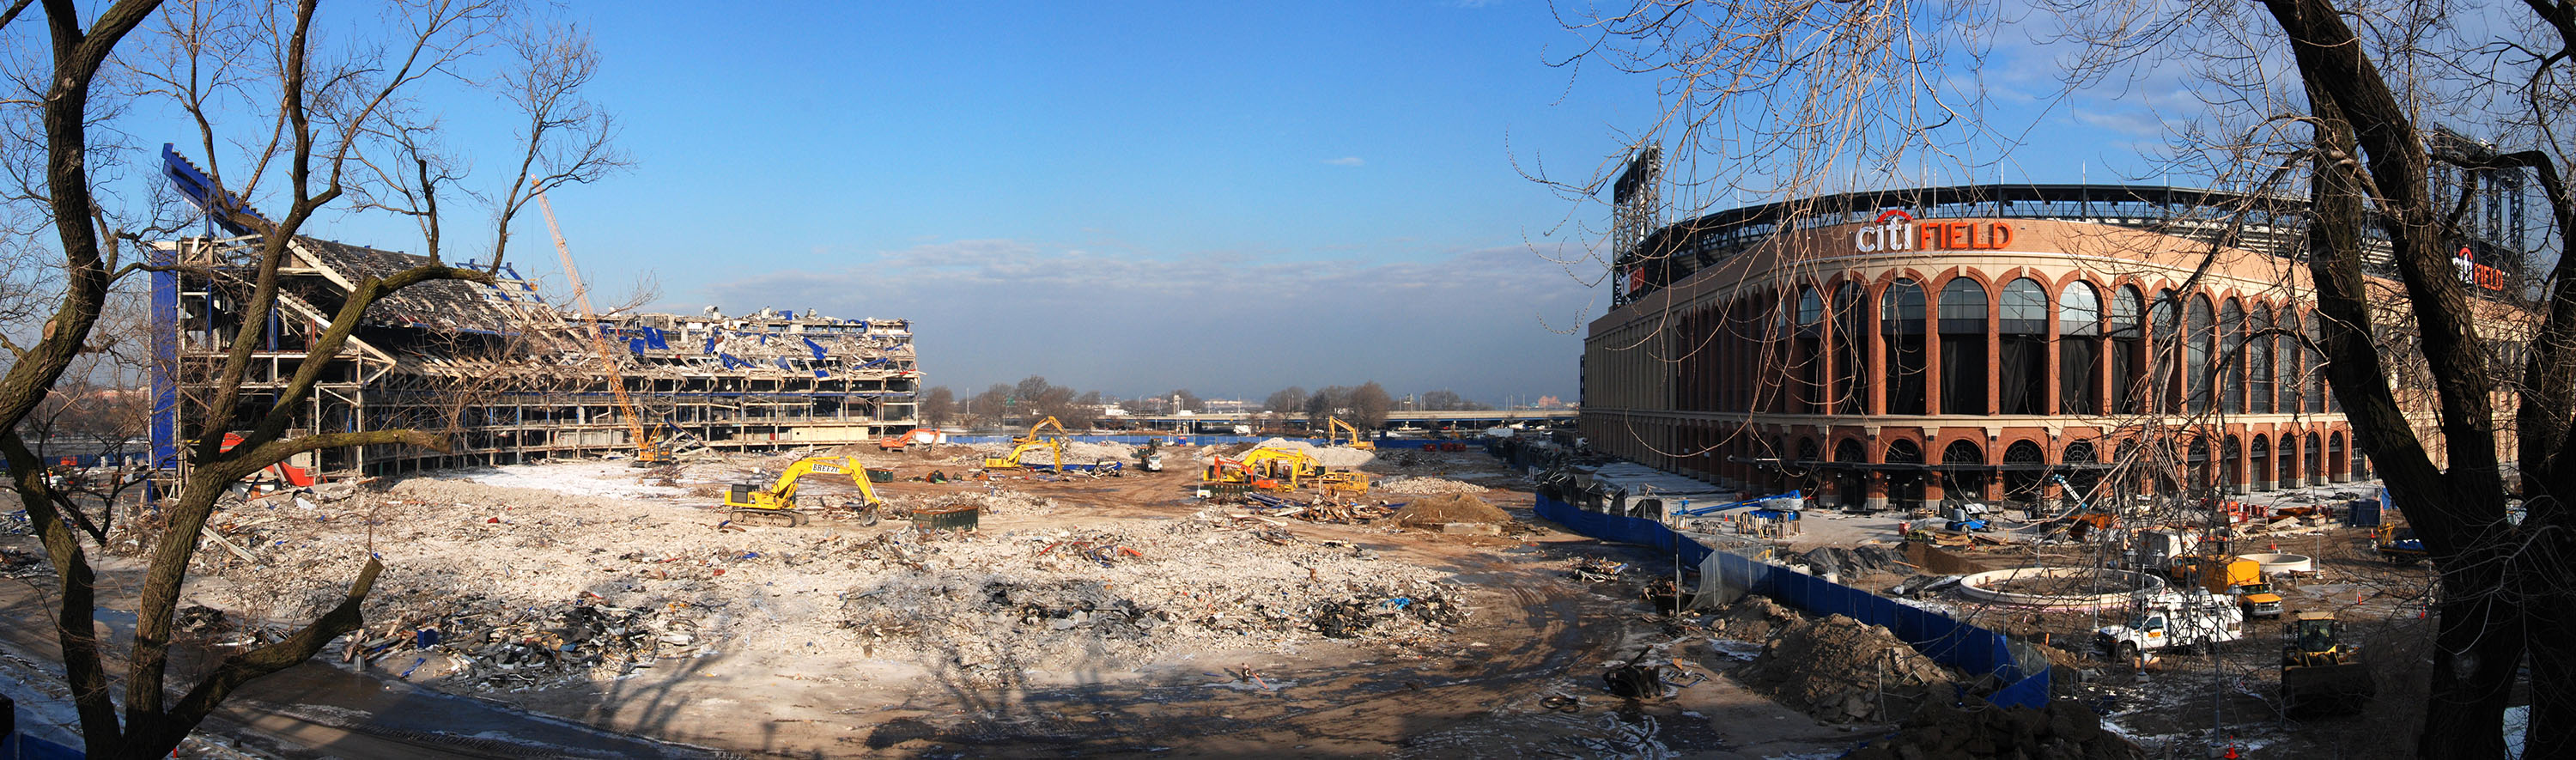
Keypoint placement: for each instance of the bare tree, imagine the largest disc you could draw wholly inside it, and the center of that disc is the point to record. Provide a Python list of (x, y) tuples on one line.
[(566, 138), (1289, 399), (1369, 404), (938, 406), (319, 118)]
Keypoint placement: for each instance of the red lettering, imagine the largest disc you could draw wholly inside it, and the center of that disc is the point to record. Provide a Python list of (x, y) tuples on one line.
[(1999, 235), (1933, 237)]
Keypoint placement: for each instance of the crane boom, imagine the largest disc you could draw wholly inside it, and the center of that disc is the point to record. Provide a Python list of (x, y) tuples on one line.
[(647, 451)]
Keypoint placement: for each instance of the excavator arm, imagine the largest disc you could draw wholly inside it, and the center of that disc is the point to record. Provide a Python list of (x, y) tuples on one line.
[(780, 497), (1034, 430)]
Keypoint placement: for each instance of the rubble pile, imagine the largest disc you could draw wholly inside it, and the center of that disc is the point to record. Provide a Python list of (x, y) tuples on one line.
[(1442, 510), (2064, 730), (1596, 570), (1428, 486), (1753, 618), (1857, 562), (490, 644), (995, 504), (1841, 670), (992, 606), (1084, 452)]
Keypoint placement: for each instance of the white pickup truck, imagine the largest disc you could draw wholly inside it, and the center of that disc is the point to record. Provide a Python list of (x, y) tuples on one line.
[(2173, 620)]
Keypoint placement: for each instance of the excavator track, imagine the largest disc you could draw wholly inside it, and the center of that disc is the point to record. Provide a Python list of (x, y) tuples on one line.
[(776, 518)]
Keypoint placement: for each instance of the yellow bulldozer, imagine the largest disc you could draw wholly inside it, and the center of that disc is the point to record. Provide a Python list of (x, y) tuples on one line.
[(777, 505), (2320, 674)]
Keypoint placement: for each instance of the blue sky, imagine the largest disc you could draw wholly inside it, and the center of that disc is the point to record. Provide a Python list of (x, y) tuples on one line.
[(1230, 198), (1133, 197)]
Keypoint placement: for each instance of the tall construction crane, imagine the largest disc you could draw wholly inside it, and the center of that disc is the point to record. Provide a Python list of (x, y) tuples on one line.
[(649, 452)]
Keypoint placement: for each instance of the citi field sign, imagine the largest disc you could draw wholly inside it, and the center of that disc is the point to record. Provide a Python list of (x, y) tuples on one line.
[(1895, 230)]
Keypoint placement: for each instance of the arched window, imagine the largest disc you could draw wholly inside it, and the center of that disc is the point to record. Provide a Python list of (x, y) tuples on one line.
[(1905, 487), (2024, 470), (2231, 360), (1811, 310), (2286, 377), (1851, 348), (1963, 347), (2022, 341), (1900, 320), (2196, 462), (2082, 477), (2318, 398), (2128, 351), (2079, 350), (2315, 466), (2200, 341), (1851, 488), (1806, 390), (2231, 453), (2164, 330), (2258, 362), (1963, 471), (2259, 455)]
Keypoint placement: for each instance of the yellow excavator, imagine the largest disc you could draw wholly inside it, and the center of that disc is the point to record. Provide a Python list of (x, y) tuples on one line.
[(1034, 430), (1334, 428), (776, 504), (1012, 462), (1289, 467)]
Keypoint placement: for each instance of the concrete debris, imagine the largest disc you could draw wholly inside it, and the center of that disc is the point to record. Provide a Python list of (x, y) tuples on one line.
[(1075, 452), (1596, 570), (989, 607), (1428, 486)]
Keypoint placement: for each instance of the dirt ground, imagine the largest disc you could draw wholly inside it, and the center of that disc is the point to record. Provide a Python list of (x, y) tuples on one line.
[(752, 655), (624, 600)]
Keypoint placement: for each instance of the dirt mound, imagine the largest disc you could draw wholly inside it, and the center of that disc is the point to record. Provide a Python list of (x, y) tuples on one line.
[(1753, 618), (2064, 730), (1441, 510), (1842, 670)]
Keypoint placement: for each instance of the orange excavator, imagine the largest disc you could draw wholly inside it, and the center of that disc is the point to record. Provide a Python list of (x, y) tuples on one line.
[(915, 436)]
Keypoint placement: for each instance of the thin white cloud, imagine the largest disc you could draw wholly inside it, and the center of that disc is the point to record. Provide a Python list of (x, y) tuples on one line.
[(1484, 322), (1346, 161)]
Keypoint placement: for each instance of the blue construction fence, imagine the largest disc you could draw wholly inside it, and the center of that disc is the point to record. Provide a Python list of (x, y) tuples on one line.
[(1969, 648)]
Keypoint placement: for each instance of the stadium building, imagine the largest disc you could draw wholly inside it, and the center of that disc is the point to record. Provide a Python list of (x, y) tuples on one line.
[(1977, 343)]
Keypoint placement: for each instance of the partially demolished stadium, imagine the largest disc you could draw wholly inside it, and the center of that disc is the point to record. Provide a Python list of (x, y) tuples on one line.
[(506, 375)]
